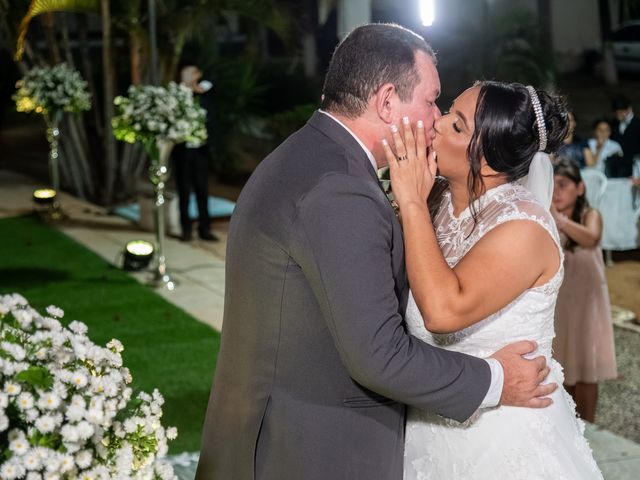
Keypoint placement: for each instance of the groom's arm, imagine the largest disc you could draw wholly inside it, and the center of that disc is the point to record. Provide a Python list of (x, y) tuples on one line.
[(343, 242)]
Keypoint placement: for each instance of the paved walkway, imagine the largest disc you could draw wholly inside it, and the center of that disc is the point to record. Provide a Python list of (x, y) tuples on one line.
[(199, 269)]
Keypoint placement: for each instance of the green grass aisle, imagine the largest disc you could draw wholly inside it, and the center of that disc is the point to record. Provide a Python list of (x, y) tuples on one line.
[(164, 347)]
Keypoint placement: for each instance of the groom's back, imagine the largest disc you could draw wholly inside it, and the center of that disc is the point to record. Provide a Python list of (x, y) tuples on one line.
[(281, 392)]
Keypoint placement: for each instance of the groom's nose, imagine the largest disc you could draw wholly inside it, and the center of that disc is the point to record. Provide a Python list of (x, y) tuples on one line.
[(436, 113)]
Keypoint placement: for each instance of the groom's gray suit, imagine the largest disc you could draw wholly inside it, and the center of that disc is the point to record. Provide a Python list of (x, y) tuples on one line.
[(316, 366)]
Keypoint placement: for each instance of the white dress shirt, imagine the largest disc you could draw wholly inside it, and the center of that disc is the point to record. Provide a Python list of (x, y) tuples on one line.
[(492, 398), (610, 147), (622, 126)]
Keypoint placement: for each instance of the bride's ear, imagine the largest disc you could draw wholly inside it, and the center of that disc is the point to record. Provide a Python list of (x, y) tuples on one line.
[(384, 100), (485, 169)]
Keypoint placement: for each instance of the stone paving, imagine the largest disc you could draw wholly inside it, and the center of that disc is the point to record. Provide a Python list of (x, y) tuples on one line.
[(199, 269)]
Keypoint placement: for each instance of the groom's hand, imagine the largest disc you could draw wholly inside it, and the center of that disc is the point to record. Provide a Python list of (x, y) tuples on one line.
[(523, 377)]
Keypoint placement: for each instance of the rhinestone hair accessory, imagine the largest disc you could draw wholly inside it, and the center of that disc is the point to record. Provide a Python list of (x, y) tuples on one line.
[(537, 109)]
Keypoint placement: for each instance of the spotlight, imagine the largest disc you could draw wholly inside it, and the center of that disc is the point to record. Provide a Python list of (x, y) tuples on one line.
[(427, 12), (45, 196), (137, 255)]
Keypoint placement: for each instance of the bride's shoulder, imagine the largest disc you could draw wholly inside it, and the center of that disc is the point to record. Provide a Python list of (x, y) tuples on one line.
[(513, 201)]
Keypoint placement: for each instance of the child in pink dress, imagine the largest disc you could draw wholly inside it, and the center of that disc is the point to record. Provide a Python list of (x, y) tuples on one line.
[(584, 333)]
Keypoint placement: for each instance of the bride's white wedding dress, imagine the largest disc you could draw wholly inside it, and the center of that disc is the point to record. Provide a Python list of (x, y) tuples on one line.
[(503, 442)]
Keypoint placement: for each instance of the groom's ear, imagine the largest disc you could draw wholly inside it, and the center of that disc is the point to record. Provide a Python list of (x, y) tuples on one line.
[(384, 100)]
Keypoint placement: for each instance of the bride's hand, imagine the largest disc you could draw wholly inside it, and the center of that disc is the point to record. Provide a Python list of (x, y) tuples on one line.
[(412, 170)]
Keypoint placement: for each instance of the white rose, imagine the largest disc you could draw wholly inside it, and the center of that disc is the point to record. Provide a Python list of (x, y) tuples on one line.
[(75, 413), (69, 433), (12, 389), (31, 460), (19, 446), (79, 379), (83, 459), (172, 433), (78, 327), (11, 469), (49, 401), (55, 311), (45, 424), (66, 463), (4, 422)]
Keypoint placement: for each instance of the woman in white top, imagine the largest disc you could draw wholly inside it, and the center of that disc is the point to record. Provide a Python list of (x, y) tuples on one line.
[(601, 146)]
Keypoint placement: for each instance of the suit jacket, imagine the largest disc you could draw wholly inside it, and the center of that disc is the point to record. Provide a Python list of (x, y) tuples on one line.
[(630, 143), (315, 365)]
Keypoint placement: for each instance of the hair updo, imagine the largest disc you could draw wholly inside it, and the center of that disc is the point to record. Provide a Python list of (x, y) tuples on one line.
[(506, 132)]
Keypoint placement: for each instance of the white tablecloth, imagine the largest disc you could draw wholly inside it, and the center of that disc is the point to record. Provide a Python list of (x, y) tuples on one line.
[(620, 208)]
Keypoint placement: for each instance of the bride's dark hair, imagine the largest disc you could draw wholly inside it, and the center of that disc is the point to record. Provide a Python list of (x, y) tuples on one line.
[(506, 132)]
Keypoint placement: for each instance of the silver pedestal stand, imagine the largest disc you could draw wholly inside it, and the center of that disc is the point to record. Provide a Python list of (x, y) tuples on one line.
[(53, 137), (159, 174)]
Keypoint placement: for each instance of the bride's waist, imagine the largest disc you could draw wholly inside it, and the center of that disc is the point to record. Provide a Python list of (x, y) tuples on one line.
[(483, 348)]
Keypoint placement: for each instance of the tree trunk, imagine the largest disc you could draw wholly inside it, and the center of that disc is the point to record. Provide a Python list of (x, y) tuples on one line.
[(83, 37), (171, 65), (109, 93), (83, 168), (64, 29), (135, 51), (48, 22)]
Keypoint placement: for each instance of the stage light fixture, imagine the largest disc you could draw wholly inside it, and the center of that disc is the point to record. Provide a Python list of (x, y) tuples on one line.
[(137, 255), (44, 196), (427, 12)]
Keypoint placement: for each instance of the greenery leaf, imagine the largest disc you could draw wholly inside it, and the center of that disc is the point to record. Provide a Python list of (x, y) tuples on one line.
[(36, 377)]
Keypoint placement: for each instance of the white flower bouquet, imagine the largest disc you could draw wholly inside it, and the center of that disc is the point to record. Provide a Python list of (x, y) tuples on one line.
[(66, 408), (51, 91), (151, 114)]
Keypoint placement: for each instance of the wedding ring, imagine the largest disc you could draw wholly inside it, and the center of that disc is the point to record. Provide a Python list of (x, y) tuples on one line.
[(402, 157)]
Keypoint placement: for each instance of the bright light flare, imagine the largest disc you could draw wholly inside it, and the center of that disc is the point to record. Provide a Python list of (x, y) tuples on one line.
[(427, 12), (140, 248), (44, 193)]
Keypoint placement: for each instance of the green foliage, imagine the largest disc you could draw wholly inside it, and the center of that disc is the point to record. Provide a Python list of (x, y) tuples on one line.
[(283, 124), (52, 91), (37, 377), (515, 50)]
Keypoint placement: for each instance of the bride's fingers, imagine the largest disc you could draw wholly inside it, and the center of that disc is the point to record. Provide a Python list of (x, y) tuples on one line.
[(409, 139), (401, 150), (421, 139), (392, 161)]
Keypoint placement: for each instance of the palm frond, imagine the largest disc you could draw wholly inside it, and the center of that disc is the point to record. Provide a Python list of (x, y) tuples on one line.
[(38, 7)]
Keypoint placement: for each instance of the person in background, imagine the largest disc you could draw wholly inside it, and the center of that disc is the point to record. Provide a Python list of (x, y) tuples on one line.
[(625, 131), (584, 333), (191, 162), (574, 148), (601, 146)]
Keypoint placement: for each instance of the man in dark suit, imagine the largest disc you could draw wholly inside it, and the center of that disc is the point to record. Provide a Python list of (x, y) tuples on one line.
[(191, 161), (626, 131), (315, 366)]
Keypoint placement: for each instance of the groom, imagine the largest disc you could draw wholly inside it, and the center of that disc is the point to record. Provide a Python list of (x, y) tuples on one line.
[(315, 366)]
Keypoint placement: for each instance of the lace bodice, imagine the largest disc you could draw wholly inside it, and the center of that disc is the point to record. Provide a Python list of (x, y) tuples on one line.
[(531, 315)]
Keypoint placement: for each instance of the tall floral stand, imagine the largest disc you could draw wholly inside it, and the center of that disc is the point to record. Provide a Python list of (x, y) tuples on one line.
[(53, 137), (159, 174)]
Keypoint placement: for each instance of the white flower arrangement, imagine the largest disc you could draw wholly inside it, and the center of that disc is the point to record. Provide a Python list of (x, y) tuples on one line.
[(150, 114), (51, 91), (66, 408)]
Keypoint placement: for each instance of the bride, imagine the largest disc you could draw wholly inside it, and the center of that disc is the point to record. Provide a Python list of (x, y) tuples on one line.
[(485, 268)]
